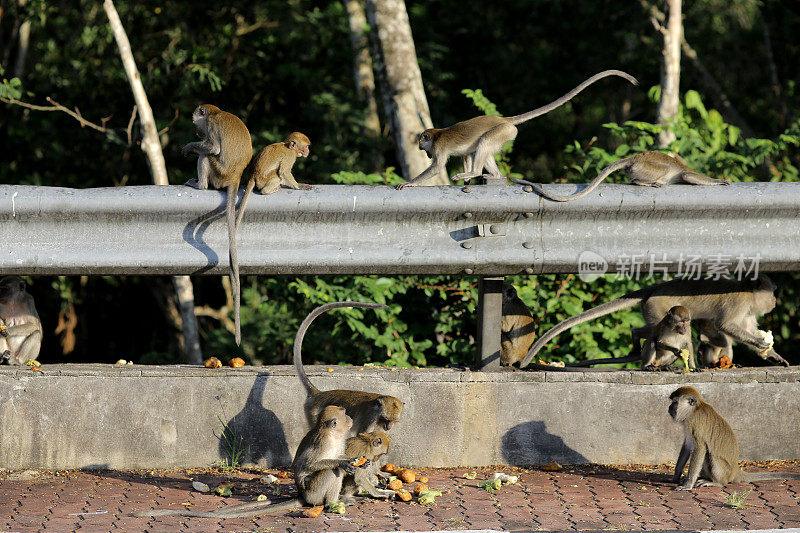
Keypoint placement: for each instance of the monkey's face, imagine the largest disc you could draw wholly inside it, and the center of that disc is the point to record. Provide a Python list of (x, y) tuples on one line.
[(299, 143), (379, 444), (10, 286), (199, 118), (426, 142), (391, 409), (682, 407)]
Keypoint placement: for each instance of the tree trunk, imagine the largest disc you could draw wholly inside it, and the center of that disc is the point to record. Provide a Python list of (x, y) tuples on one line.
[(404, 101), (670, 71), (24, 43), (362, 69), (152, 148)]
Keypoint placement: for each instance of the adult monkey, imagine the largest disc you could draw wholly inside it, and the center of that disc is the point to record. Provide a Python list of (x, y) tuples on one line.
[(478, 139), (517, 328), (22, 336), (652, 169), (731, 306), (223, 153), (711, 445), (368, 410)]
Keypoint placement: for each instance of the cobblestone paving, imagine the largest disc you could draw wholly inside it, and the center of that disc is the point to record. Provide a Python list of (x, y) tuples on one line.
[(577, 498)]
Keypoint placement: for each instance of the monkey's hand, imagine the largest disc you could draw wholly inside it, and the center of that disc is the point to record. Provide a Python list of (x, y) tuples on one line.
[(347, 466), (304, 187), (403, 185), (3, 330)]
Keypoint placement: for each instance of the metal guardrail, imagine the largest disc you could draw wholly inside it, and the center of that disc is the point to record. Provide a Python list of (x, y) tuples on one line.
[(490, 230)]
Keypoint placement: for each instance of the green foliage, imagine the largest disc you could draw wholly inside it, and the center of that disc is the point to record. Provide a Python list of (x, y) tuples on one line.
[(10, 88), (735, 499)]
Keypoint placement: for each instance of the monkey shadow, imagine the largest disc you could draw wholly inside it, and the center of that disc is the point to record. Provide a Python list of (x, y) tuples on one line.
[(530, 444), (255, 435), (195, 230)]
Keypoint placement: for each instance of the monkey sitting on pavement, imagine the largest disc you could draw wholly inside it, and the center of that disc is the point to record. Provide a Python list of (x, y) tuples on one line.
[(652, 169), (373, 447), (710, 445), (369, 411), (22, 336), (319, 469), (731, 306)]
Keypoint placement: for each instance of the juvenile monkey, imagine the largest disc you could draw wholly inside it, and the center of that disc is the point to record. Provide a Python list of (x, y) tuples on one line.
[(731, 306), (319, 468), (272, 167), (710, 445), (516, 328), (478, 139), (223, 153), (652, 169), (662, 347), (22, 337), (369, 411), (713, 345), (372, 446)]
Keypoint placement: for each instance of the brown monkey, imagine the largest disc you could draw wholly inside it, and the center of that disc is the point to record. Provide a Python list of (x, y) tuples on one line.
[(319, 468), (731, 306), (662, 347), (369, 411), (22, 337), (516, 328), (711, 444), (222, 155), (373, 447), (272, 167), (478, 139), (652, 169)]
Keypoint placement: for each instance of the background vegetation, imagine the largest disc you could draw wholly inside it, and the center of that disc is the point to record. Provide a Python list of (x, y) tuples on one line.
[(287, 65)]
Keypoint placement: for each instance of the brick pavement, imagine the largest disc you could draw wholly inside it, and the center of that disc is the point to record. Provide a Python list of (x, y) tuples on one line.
[(586, 497)]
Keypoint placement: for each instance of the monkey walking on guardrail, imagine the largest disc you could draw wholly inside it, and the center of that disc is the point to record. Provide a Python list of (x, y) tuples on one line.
[(652, 169), (368, 410), (478, 139), (21, 336), (727, 307), (710, 445), (223, 153)]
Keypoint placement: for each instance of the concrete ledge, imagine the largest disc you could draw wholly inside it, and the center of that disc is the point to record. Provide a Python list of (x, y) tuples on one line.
[(79, 416)]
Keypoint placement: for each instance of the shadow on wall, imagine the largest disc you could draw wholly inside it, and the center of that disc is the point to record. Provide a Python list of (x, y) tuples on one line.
[(531, 444), (255, 435)]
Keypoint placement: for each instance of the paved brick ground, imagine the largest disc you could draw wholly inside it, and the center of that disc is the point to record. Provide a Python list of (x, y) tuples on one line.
[(580, 497)]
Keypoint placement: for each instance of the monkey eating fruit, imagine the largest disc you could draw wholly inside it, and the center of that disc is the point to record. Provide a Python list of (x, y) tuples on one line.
[(371, 447), (710, 445), (22, 335), (223, 153)]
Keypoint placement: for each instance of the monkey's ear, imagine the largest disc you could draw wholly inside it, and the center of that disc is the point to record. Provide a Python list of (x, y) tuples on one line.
[(291, 144), (692, 400)]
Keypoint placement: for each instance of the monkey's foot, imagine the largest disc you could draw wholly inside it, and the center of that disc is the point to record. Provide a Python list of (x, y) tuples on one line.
[(404, 185), (683, 487), (193, 183), (5, 357), (465, 176)]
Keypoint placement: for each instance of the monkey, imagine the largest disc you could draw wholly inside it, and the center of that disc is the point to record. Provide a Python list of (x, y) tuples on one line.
[(652, 169), (319, 468), (710, 445), (731, 306), (713, 345), (516, 328), (223, 153), (22, 337), (272, 167), (373, 447), (662, 347), (479, 139), (369, 411)]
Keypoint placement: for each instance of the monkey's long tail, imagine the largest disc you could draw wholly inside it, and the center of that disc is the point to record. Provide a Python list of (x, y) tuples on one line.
[(301, 333), (623, 302), (613, 167), (764, 476), (230, 209), (236, 511), (247, 190), (606, 361), (519, 119)]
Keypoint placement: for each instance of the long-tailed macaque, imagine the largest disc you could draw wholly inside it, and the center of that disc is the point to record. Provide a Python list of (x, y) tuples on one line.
[(652, 169), (319, 468), (372, 447), (517, 328), (223, 153), (368, 410), (731, 306), (662, 347), (478, 139), (710, 445), (22, 336), (272, 167)]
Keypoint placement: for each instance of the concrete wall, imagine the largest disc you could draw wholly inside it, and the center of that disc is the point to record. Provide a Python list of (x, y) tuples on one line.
[(78, 416)]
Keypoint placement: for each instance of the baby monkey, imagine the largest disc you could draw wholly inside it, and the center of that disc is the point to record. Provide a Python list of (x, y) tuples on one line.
[(652, 169), (368, 410), (272, 167), (710, 445), (373, 447)]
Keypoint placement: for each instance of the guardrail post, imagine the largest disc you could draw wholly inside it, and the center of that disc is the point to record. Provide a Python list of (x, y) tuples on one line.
[(490, 313)]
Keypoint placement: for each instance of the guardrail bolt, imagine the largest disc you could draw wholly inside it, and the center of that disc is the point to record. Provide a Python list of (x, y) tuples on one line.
[(466, 245), (527, 244), (494, 229), (528, 215), (468, 271), (467, 215), (527, 188), (529, 270)]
